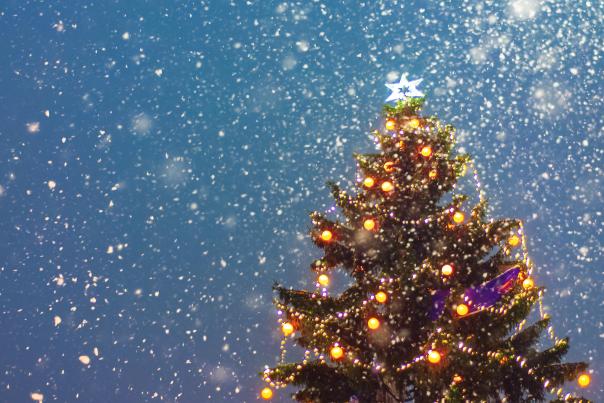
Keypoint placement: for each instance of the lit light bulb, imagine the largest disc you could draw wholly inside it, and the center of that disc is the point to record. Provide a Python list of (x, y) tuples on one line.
[(324, 280), (457, 378), (266, 393), (326, 235), (434, 356), (390, 124), (373, 323), (369, 224), (387, 186), (447, 270), (458, 217), (368, 182), (426, 151), (287, 328), (433, 174), (462, 309), (381, 297), (336, 352)]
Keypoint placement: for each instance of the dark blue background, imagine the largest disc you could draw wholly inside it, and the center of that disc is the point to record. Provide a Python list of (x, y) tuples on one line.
[(212, 164)]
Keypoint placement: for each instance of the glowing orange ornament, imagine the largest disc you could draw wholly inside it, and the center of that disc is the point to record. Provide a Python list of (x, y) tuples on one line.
[(447, 270), (528, 283), (381, 297), (462, 309), (336, 352), (368, 182), (326, 235), (373, 323), (584, 380), (390, 124), (426, 151), (287, 328), (389, 166), (387, 186), (413, 123), (457, 378), (266, 393), (433, 174), (369, 224), (458, 217), (434, 356), (323, 280), (514, 240)]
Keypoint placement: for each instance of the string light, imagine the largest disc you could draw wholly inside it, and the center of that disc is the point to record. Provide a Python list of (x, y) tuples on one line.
[(433, 174), (381, 297), (387, 186), (457, 378), (368, 182), (390, 124), (389, 166), (326, 235)]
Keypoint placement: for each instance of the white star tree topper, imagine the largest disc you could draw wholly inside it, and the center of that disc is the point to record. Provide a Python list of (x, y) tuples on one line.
[(404, 89)]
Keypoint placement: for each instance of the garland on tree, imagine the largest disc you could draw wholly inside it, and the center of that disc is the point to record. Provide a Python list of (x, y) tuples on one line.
[(440, 294)]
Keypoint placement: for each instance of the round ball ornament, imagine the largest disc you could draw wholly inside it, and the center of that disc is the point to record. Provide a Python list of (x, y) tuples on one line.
[(446, 270), (368, 182), (326, 235), (462, 309), (413, 123), (387, 186), (390, 124), (458, 217), (323, 280), (336, 352), (426, 151), (369, 224), (266, 393), (434, 356), (287, 328), (373, 323), (584, 380), (514, 240), (381, 297), (528, 283)]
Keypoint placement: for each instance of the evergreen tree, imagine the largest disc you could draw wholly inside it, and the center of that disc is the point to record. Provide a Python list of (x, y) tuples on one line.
[(439, 296)]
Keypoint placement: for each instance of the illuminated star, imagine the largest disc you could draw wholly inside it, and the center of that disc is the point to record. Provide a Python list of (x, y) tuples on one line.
[(404, 89)]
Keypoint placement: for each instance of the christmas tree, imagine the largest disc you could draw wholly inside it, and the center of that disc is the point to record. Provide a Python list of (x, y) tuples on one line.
[(439, 297)]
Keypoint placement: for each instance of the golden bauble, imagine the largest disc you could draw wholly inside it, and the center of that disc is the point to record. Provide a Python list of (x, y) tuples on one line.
[(373, 323), (381, 297), (266, 393)]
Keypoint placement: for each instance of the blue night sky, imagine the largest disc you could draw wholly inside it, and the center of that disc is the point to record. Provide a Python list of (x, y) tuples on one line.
[(158, 161)]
